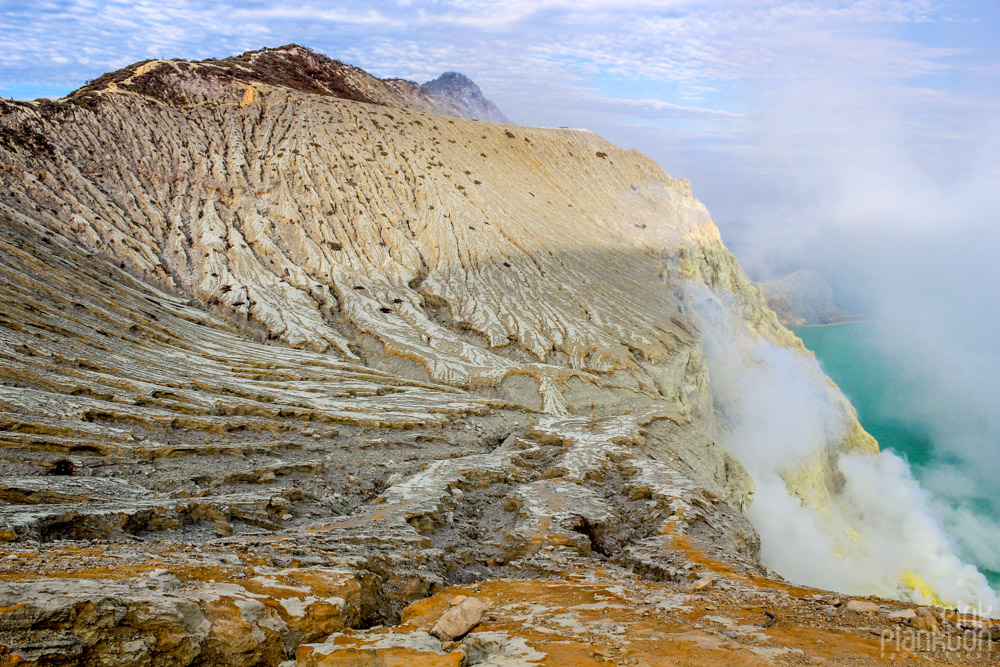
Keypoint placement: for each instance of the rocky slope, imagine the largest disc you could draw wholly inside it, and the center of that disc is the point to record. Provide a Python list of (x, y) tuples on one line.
[(180, 82), (803, 298), (283, 353)]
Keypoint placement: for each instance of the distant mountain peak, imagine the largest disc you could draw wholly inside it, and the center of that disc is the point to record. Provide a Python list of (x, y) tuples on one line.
[(452, 75), (461, 93), (180, 82)]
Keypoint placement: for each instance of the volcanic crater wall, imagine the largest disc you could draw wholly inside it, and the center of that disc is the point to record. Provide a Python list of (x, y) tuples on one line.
[(250, 326)]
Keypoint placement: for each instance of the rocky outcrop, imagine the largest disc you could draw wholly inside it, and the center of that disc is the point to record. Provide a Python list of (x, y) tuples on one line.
[(803, 298), (281, 354), (613, 617), (173, 616)]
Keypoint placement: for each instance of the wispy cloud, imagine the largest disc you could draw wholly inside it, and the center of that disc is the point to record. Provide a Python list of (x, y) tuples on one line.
[(657, 74)]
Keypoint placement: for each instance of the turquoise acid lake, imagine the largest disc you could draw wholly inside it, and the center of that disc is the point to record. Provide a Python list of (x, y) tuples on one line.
[(850, 356)]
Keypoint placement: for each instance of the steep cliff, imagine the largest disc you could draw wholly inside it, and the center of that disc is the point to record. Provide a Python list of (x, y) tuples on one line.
[(282, 353)]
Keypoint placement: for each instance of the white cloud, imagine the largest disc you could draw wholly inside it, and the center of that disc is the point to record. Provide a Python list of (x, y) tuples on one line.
[(675, 68)]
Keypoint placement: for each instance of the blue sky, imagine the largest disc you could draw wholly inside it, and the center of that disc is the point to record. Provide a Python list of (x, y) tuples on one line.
[(696, 85)]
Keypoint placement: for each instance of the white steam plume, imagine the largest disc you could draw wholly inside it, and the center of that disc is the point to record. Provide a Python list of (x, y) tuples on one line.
[(879, 533), (900, 213)]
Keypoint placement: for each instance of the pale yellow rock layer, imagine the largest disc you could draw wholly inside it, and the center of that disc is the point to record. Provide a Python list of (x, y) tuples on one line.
[(223, 306)]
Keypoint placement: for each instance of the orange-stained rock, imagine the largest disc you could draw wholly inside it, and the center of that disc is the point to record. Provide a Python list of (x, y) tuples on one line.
[(386, 657), (158, 615), (459, 619)]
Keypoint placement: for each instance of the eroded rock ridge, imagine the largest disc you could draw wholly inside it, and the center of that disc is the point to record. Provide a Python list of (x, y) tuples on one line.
[(282, 352)]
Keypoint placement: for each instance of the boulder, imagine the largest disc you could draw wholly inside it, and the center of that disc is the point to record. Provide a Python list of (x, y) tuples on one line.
[(925, 623), (863, 607), (459, 619), (902, 615), (704, 583), (931, 612)]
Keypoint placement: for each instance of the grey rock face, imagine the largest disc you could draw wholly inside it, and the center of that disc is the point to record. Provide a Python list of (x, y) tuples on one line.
[(460, 94)]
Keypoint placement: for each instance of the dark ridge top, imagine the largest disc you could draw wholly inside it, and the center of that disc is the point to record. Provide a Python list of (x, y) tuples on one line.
[(180, 83), (290, 66)]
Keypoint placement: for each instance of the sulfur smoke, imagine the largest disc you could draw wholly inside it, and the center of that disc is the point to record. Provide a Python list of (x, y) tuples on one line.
[(891, 194), (879, 532)]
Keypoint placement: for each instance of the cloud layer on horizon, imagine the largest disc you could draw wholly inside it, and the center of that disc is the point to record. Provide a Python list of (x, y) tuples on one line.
[(690, 83)]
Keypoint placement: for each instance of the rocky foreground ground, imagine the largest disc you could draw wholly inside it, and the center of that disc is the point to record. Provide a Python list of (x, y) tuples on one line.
[(221, 604), (290, 363)]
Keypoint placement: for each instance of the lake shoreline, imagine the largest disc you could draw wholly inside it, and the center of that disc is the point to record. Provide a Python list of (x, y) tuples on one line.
[(828, 324)]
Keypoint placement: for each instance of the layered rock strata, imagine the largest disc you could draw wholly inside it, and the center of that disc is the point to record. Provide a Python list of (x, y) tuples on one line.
[(282, 354)]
